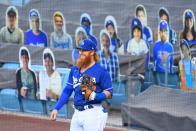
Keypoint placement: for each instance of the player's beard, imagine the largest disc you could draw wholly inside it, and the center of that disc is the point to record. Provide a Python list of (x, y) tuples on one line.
[(83, 61)]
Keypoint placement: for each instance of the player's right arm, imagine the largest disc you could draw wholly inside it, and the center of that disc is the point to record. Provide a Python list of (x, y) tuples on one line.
[(64, 98)]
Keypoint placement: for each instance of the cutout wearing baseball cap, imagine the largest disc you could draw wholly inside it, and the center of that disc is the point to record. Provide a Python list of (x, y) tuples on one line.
[(33, 14), (163, 25), (24, 53), (188, 15), (109, 22), (87, 45), (11, 12), (136, 23), (85, 19)]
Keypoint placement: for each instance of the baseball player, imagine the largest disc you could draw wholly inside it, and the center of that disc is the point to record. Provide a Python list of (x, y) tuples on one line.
[(92, 85)]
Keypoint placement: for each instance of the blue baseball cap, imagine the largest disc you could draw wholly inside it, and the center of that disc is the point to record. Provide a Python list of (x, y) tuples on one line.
[(87, 45), (85, 19), (136, 23), (24, 53), (109, 22), (11, 12), (163, 25), (188, 15), (33, 14)]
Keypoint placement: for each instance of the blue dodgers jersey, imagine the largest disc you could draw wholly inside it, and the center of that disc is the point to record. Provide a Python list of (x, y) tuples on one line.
[(100, 77), (191, 42), (147, 35), (36, 40), (160, 49)]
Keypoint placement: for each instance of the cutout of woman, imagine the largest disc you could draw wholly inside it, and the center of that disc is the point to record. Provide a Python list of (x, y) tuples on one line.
[(187, 68), (189, 33), (111, 26)]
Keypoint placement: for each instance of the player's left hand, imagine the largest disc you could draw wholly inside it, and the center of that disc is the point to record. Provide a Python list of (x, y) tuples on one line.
[(87, 86), (92, 96)]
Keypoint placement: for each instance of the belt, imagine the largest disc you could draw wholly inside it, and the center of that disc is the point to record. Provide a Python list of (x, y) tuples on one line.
[(82, 108)]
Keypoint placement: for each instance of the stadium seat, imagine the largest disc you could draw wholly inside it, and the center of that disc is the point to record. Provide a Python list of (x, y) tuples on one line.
[(63, 70), (128, 86), (9, 100), (11, 66), (148, 80), (33, 106), (64, 75), (173, 80), (63, 112), (119, 94), (37, 68)]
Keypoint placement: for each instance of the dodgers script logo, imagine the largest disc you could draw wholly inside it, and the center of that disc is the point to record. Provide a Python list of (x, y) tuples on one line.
[(77, 82)]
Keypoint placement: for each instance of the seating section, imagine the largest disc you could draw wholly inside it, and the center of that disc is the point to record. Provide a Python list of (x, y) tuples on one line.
[(33, 106), (9, 100), (121, 90)]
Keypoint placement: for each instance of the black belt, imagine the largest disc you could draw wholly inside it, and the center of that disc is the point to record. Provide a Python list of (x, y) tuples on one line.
[(82, 108)]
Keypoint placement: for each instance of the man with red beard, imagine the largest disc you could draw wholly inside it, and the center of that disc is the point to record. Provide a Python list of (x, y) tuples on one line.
[(87, 111)]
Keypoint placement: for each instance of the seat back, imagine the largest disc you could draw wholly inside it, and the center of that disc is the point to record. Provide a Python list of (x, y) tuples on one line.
[(173, 80), (33, 106), (9, 100), (11, 66), (119, 94)]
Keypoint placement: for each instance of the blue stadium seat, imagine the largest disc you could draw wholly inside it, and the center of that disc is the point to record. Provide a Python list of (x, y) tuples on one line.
[(37, 68), (9, 100), (33, 106), (0, 103), (148, 80), (63, 112), (119, 94), (11, 66), (64, 75), (173, 80), (63, 70)]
